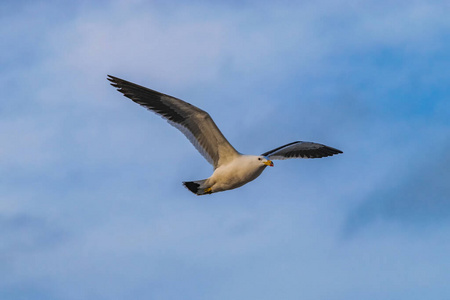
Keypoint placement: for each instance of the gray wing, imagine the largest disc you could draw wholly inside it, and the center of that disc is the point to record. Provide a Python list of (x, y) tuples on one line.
[(301, 150), (196, 124)]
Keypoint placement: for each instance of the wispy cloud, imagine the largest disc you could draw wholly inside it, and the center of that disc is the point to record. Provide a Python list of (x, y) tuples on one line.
[(418, 196)]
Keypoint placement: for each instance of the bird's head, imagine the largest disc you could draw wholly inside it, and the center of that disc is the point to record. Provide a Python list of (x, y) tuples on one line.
[(265, 161)]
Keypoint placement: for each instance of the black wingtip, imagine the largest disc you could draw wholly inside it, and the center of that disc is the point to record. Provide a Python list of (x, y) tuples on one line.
[(337, 151), (329, 151), (113, 80)]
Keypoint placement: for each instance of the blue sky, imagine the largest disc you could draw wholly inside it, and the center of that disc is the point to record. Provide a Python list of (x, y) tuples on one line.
[(91, 201)]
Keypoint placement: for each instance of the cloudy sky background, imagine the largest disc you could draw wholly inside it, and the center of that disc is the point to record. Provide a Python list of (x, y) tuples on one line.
[(91, 201)]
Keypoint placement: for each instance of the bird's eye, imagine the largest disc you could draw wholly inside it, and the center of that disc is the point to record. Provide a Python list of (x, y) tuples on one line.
[(259, 158)]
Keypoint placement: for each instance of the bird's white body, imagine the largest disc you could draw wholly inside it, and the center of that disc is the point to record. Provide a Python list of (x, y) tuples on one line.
[(236, 173)]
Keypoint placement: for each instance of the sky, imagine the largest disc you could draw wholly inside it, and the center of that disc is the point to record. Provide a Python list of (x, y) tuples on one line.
[(91, 200)]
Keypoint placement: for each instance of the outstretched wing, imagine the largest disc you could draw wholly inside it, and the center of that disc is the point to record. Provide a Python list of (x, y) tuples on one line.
[(196, 124), (301, 150)]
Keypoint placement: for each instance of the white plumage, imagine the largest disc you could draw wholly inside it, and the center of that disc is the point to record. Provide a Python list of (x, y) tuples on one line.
[(231, 169)]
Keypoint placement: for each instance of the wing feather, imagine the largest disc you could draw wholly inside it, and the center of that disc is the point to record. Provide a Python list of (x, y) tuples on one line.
[(196, 124), (301, 149)]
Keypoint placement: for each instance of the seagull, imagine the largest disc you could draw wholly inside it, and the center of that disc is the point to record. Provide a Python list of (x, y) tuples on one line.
[(231, 168)]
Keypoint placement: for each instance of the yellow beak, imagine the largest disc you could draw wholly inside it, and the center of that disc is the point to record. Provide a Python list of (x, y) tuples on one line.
[(269, 163)]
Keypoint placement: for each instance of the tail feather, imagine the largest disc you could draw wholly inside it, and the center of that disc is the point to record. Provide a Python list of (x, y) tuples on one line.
[(197, 187)]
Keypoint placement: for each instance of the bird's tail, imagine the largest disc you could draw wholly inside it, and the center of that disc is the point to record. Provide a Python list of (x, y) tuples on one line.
[(197, 187)]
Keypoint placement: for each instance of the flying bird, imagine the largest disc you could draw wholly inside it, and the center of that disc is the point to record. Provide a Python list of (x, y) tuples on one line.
[(231, 168)]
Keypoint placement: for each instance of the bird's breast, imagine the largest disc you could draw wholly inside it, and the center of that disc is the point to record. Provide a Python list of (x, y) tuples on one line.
[(235, 175)]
